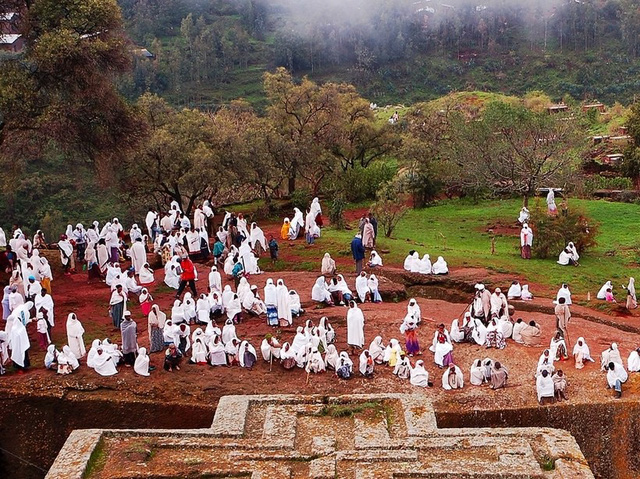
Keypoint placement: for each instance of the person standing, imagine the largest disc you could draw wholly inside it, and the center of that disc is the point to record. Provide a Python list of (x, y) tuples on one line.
[(187, 276), (563, 315), (129, 330), (526, 240), (357, 250)]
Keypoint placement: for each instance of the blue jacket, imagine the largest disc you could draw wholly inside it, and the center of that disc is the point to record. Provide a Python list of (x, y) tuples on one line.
[(357, 249)]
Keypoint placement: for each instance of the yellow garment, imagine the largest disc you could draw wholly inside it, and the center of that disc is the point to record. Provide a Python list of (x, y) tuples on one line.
[(284, 231)]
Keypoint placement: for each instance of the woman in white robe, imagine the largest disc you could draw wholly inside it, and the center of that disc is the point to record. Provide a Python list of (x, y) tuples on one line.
[(243, 289), (545, 363), (177, 313), (234, 307), (146, 275), (74, 336), (632, 300), (452, 378), (603, 291), (457, 334), (374, 285), (440, 266), (171, 276), (633, 362), (523, 217), (283, 303), (425, 265), (249, 260), (103, 363), (229, 262), (93, 351), (320, 292), (414, 309), (199, 351), (227, 296), (565, 293), (611, 355), (551, 202), (441, 349), (526, 294), (257, 237), (515, 291), (315, 363), (331, 357), (415, 263), (215, 280), (392, 353), (476, 373), (343, 287), (581, 353), (296, 223), (228, 332), (376, 350), (203, 309), (362, 287), (217, 355), (189, 308), (328, 265), (141, 366), (408, 260), (355, 326), (479, 331), (375, 261), (326, 331), (247, 355), (419, 375), (544, 386)]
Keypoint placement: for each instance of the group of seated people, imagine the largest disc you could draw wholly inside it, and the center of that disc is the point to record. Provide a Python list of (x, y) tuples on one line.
[(337, 292), (414, 264)]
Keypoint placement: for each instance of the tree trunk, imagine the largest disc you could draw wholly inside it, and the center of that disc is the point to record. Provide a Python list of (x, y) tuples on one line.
[(292, 184), (525, 200)]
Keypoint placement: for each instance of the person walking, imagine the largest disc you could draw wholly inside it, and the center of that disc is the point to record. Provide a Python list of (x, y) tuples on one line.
[(187, 276)]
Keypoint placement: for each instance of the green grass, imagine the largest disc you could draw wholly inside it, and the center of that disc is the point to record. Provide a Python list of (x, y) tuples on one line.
[(97, 460), (457, 230), (348, 410)]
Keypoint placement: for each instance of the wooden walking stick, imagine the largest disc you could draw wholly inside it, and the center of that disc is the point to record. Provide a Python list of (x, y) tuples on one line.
[(307, 382)]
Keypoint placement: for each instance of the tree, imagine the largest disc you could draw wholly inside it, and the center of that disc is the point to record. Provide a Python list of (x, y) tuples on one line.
[(61, 88), (513, 150), (390, 208), (177, 160)]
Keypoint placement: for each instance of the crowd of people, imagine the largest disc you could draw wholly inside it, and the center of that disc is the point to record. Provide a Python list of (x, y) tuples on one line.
[(200, 328)]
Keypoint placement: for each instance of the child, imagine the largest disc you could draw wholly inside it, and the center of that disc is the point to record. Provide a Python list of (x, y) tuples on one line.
[(43, 331), (218, 249), (273, 249)]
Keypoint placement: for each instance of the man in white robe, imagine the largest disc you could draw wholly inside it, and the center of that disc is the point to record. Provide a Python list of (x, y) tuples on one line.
[(355, 327), (138, 255)]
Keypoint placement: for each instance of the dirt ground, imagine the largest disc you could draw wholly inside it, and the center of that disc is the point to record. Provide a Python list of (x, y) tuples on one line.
[(206, 384)]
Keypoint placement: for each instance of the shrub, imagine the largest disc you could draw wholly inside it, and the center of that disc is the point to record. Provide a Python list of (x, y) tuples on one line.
[(359, 184), (599, 182), (301, 198), (552, 234), (336, 210), (389, 209), (53, 225)]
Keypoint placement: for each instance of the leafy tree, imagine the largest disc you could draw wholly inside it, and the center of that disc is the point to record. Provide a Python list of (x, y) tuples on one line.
[(513, 150), (61, 88), (177, 160)]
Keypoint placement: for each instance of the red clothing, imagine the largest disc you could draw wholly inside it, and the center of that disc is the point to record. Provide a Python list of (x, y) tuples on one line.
[(188, 270)]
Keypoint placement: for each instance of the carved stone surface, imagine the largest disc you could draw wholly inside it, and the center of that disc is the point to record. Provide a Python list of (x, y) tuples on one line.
[(383, 436)]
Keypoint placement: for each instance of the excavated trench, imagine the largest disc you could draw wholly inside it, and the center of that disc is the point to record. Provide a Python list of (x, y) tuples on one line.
[(36, 427)]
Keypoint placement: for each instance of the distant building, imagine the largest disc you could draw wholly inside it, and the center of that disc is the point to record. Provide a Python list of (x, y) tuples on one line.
[(143, 53), (594, 106), (11, 42), (557, 108)]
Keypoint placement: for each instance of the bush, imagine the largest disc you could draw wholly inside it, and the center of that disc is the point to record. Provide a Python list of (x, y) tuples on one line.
[(53, 225), (389, 209), (336, 210), (359, 184), (599, 182), (301, 198), (552, 234)]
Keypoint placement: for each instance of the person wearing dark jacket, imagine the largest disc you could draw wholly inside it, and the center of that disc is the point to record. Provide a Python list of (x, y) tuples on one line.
[(357, 250)]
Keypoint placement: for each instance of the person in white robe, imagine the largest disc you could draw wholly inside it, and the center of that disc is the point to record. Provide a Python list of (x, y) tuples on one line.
[(526, 294), (146, 275), (215, 280), (296, 224), (616, 376), (551, 202), (331, 357), (247, 356), (327, 333), (564, 259), (283, 303), (545, 363), (505, 326), (565, 293), (249, 260), (526, 241), (515, 291), (295, 303), (228, 332), (217, 355), (243, 289), (199, 351), (150, 221), (408, 260), (18, 342), (632, 300), (113, 350), (374, 286), (612, 354), (441, 349), (419, 375), (524, 215), (320, 291), (603, 291), (558, 347), (476, 373), (44, 302), (227, 296), (452, 378), (69, 357), (376, 350), (141, 366), (414, 309), (457, 333), (574, 252), (171, 276), (203, 309), (440, 266), (93, 351), (344, 366), (581, 353), (257, 237), (633, 362), (425, 265), (478, 331), (234, 308), (131, 285), (392, 353), (75, 333), (416, 263), (270, 348), (138, 255), (362, 287), (315, 209), (544, 386), (499, 303), (328, 265), (375, 261), (355, 327), (103, 363), (315, 363), (3, 239), (50, 358)]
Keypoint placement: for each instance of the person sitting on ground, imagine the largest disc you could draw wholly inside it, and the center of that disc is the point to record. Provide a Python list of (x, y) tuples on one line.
[(172, 358), (366, 364), (402, 369), (344, 367), (581, 353), (558, 347), (602, 293), (612, 354), (560, 385), (499, 376), (544, 386), (452, 378), (375, 261), (616, 375), (328, 265), (320, 292), (440, 266), (531, 334), (419, 375), (633, 362)]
